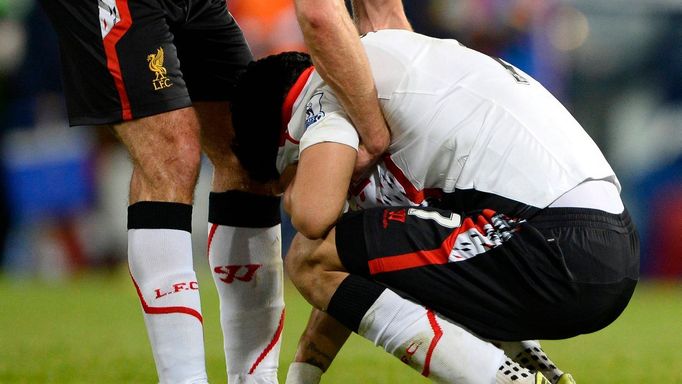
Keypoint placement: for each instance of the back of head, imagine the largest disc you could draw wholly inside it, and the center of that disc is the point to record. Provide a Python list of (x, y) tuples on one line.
[(257, 111)]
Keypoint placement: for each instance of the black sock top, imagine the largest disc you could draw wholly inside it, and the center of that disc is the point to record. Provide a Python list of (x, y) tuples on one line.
[(160, 215)]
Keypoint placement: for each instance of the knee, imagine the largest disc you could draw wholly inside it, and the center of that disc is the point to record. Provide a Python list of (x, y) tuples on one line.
[(184, 160), (167, 168), (296, 262), (174, 165), (314, 269), (302, 264)]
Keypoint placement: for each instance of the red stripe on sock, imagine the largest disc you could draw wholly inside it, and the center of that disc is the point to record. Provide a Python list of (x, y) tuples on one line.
[(273, 342), (437, 334), (113, 64), (211, 233), (164, 310)]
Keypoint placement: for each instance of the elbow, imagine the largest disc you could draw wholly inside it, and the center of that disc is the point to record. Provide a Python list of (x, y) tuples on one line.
[(315, 15), (378, 143), (314, 228)]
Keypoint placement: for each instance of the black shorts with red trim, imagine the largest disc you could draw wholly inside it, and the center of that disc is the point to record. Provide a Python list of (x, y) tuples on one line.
[(564, 272), (126, 59)]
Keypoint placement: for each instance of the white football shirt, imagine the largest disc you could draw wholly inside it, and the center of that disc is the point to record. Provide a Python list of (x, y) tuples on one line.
[(460, 121)]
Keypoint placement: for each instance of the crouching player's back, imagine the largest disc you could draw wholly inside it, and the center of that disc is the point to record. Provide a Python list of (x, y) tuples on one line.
[(465, 122)]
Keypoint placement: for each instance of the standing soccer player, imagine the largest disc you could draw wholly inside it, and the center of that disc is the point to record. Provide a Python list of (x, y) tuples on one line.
[(503, 216), (162, 75)]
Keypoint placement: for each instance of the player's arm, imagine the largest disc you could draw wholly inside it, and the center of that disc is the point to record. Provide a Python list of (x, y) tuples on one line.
[(373, 15), (339, 58), (316, 196), (314, 199)]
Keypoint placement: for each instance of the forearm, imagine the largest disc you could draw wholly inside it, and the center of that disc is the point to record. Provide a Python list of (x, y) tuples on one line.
[(373, 15), (316, 196), (339, 58)]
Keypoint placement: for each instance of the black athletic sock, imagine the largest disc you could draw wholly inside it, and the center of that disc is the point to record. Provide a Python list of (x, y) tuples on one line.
[(352, 299), (243, 209), (160, 215)]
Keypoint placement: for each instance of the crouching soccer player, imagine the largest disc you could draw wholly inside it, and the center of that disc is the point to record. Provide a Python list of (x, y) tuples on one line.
[(492, 208)]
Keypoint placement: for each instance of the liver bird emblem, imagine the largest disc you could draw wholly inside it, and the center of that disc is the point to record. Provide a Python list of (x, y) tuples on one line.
[(156, 64)]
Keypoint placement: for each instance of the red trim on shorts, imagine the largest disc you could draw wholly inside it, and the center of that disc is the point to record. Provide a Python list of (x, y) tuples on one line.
[(415, 195), (437, 334), (408, 260), (273, 342), (416, 259), (113, 64), (164, 310), (288, 105)]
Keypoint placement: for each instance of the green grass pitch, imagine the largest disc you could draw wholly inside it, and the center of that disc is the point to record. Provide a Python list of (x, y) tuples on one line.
[(90, 330)]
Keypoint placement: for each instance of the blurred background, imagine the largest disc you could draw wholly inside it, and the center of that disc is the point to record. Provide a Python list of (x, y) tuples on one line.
[(615, 64)]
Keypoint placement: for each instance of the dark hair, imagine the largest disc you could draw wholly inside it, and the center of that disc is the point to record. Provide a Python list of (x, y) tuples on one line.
[(257, 111)]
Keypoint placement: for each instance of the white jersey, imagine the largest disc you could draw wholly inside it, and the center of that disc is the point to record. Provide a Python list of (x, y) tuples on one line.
[(463, 125)]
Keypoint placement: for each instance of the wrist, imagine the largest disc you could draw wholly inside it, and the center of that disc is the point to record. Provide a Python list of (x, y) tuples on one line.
[(378, 144)]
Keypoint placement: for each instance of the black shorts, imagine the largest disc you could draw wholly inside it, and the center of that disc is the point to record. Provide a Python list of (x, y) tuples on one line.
[(126, 59), (564, 272)]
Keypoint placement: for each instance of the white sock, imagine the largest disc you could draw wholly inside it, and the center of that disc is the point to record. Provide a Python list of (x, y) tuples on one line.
[(246, 265), (440, 350), (160, 262), (303, 373)]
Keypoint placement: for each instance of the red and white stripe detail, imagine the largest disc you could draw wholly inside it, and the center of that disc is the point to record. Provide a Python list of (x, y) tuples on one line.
[(271, 345), (211, 233), (111, 34), (165, 310), (288, 105), (437, 334), (417, 196), (442, 254)]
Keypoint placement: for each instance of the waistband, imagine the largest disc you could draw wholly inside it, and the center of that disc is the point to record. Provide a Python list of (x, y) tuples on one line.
[(583, 217)]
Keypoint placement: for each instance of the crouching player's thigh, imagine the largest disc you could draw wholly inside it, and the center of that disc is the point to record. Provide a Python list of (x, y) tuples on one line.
[(314, 268)]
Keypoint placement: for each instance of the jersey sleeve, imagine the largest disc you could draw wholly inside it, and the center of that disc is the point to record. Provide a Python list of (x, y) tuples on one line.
[(326, 121), (335, 127)]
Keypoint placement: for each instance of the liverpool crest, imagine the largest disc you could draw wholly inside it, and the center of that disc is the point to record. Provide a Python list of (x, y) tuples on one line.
[(155, 61)]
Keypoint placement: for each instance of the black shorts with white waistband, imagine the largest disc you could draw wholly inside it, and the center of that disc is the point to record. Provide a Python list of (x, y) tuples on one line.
[(561, 273), (126, 59)]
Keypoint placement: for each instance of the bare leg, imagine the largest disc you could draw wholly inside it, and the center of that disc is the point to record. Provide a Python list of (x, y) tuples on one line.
[(165, 153), (315, 269), (318, 346), (321, 340)]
